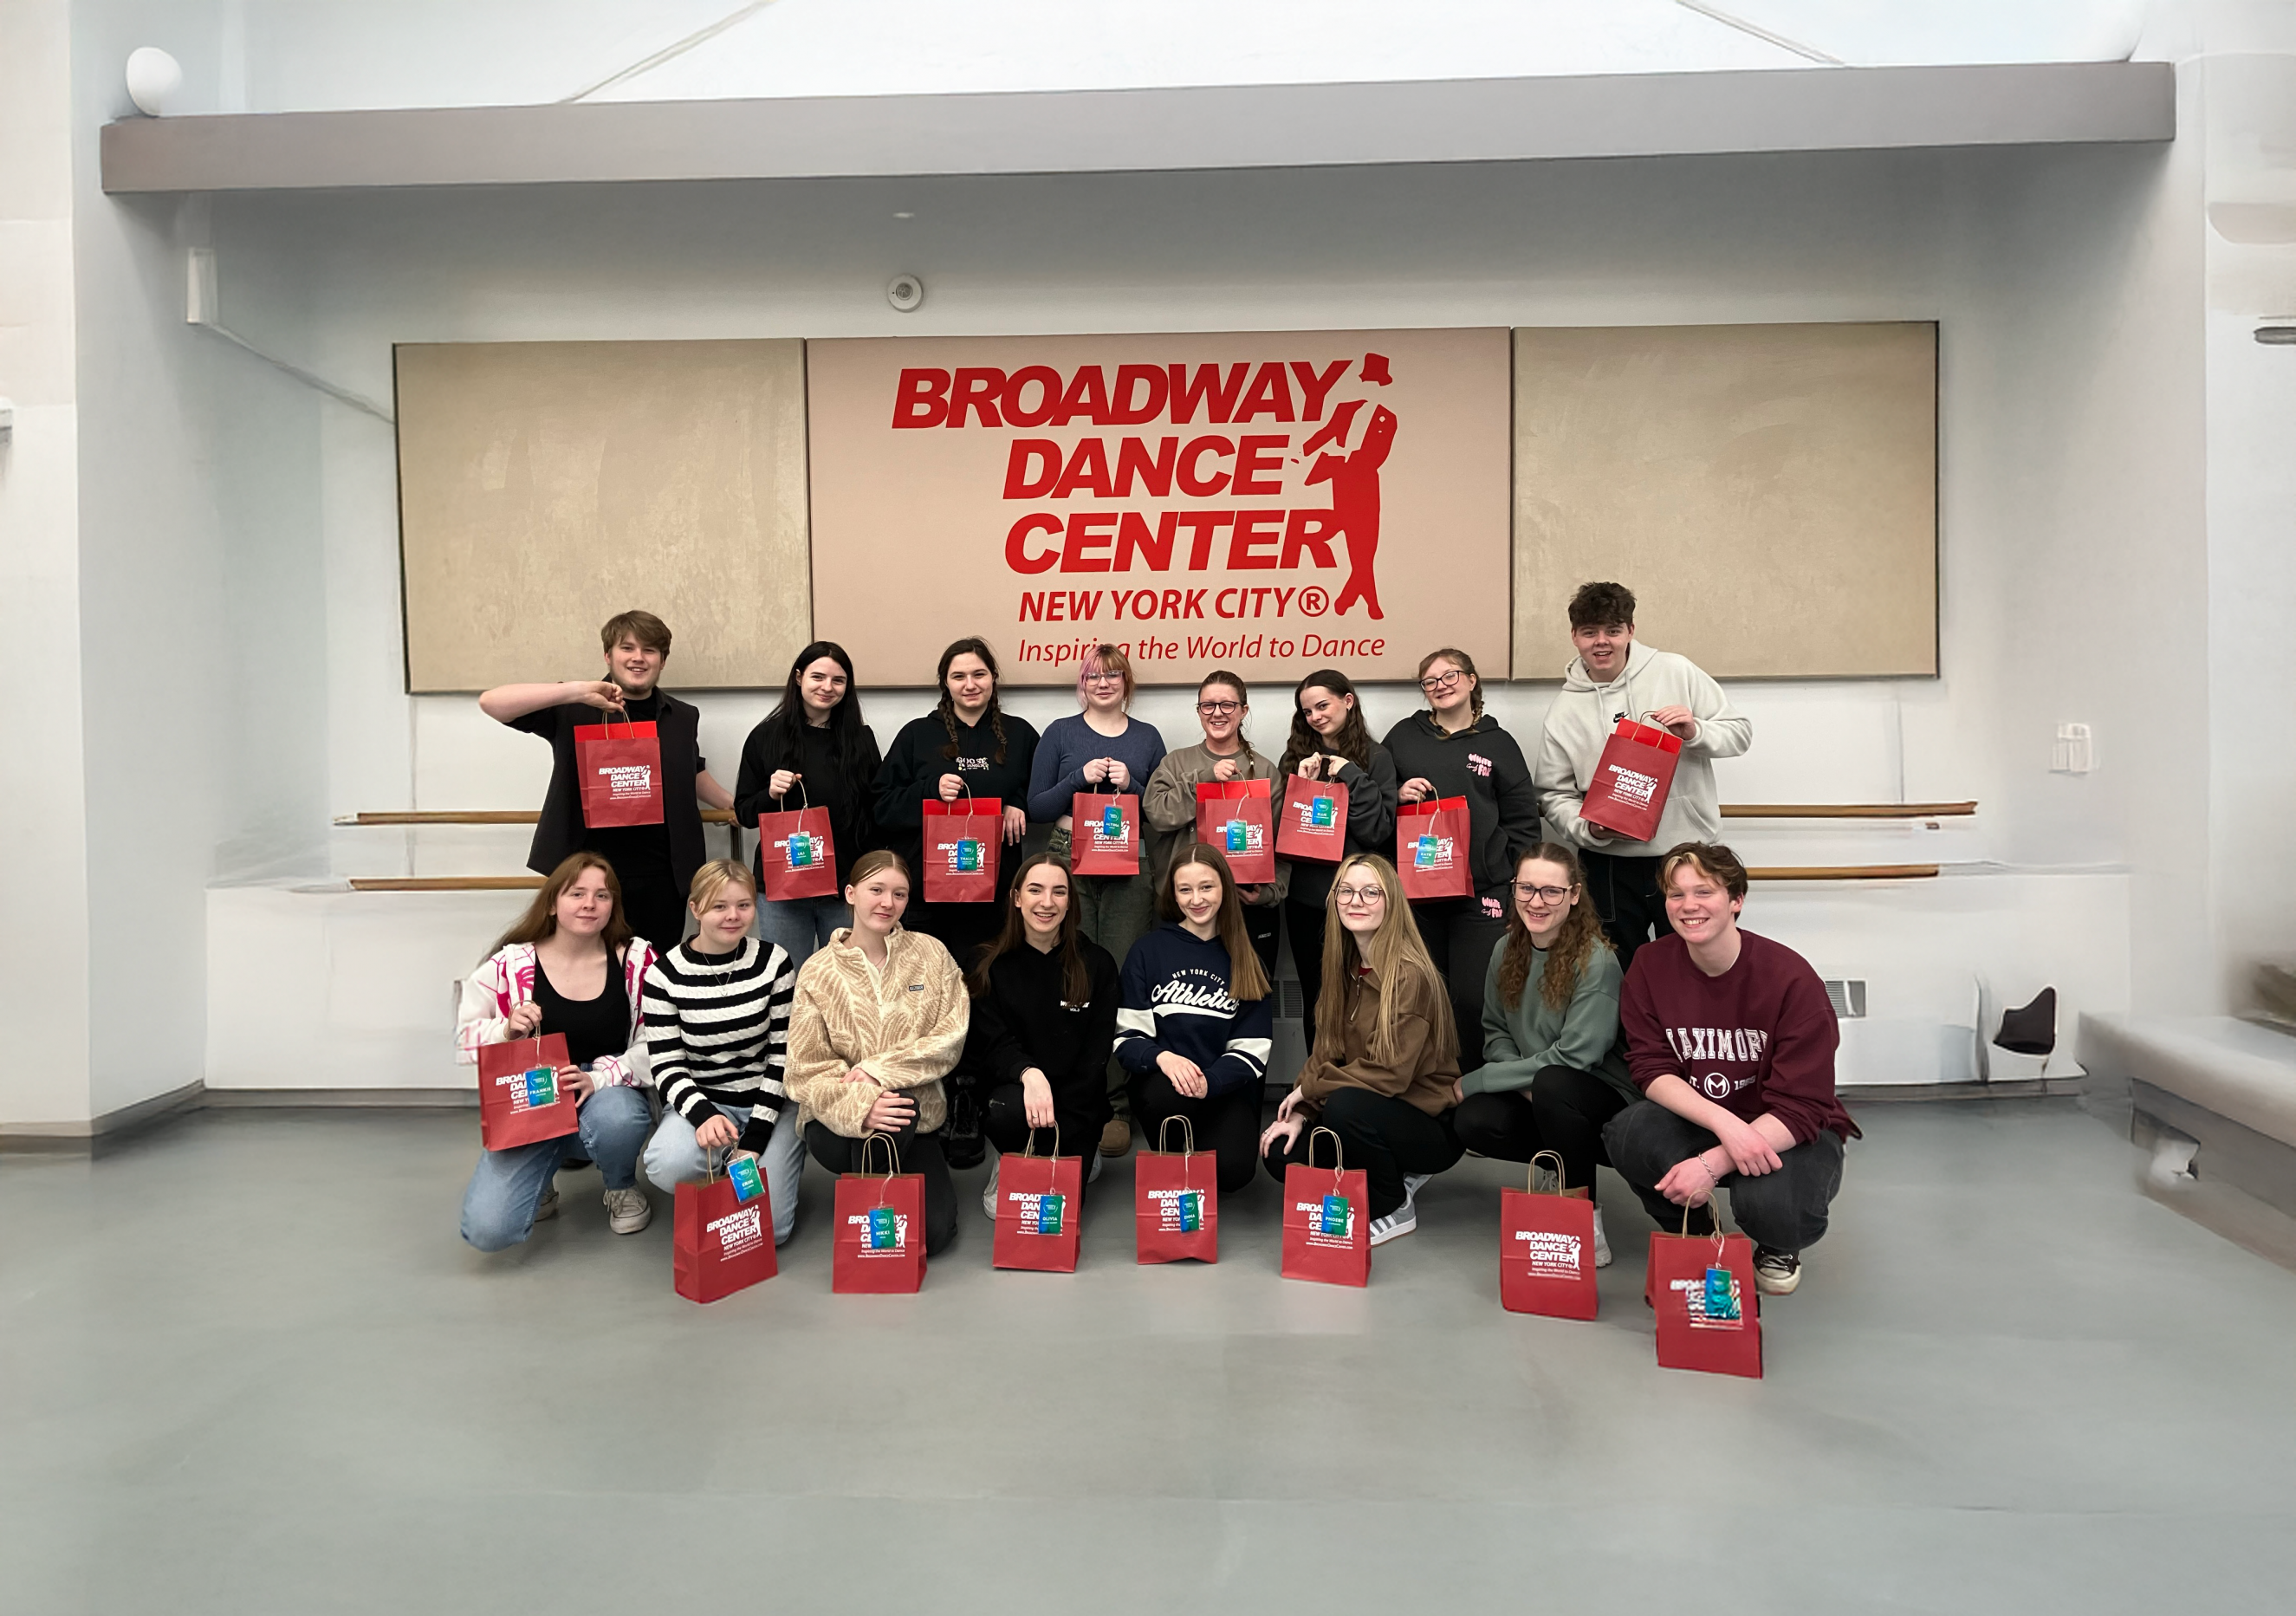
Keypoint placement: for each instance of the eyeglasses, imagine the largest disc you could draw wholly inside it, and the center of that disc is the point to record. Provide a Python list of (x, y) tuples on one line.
[(1364, 897), (1548, 896), (1103, 678), (1434, 683), (1218, 710)]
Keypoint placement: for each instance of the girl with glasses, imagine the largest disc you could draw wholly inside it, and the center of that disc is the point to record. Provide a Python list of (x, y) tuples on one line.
[(1384, 1071), (1197, 1020), (1555, 1068), (1452, 750), (1169, 802), (1101, 750), (1331, 742)]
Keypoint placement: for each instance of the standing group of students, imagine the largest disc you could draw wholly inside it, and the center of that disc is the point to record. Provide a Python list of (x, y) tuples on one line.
[(1591, 997)]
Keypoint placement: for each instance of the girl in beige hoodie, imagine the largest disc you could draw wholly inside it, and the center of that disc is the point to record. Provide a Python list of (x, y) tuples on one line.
[(879, 1019)]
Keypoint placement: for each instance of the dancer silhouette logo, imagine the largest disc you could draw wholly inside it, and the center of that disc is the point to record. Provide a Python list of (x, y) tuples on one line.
[(1191, 498)]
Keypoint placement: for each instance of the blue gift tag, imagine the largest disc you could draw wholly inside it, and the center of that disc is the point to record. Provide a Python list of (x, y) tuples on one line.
[(747, 1186), (541, 1085), (1721, 1294), (968, 853), (1323, 813), (882, 1231), (1335, 1216), (1236, 842), (1112, 823), (1192, 1210), (1423, 854), (802, 852)]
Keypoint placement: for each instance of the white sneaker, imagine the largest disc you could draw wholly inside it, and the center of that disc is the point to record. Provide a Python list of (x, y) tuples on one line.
[(1601, 1242), (1777, 1273), (989, 1193), (546, 1209), (628, 1210), (1396, 1224), (1092, 1173)]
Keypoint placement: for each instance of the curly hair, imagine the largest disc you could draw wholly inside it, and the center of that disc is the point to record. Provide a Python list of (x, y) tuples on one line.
[(1581, 933)]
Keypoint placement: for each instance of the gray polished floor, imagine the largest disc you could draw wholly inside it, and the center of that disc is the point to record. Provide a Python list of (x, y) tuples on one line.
[(245, 1366)]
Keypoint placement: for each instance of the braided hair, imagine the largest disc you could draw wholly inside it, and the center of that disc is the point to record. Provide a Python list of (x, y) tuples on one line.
[(946, 710)]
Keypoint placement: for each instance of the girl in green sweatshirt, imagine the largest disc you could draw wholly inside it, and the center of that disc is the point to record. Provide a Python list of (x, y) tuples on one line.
[(1555, 1070)]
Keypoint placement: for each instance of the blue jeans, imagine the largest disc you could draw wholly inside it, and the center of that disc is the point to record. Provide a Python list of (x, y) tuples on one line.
[(801, 925), (498, 1206), (673, 1156)]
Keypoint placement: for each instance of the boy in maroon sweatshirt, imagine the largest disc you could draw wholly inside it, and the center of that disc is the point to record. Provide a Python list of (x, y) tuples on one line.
[(1731, 1040)]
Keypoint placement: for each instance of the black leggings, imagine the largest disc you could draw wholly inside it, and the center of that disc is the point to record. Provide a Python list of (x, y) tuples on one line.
[(1074, 1132), (1225, 1124), (919, 1153), (1384, 1136), (1305, 921), (1624, 890), (1564, 1111), (1460, 933)]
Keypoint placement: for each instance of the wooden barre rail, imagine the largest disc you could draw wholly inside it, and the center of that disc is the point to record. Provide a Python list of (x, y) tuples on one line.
[(484, 816), (1848, 810), (517, 883)]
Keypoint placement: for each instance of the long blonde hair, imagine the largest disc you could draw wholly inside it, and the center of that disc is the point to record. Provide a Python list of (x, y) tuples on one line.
[(1395, 950)]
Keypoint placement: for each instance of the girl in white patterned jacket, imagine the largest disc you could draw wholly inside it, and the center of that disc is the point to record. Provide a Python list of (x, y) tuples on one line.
[(570, 966)]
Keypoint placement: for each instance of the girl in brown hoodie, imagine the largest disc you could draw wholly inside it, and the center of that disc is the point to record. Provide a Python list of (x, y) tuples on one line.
[(1384, 1073)]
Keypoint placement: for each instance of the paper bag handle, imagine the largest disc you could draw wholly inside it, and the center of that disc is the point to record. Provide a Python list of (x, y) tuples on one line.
[(892, 1155), (1562, 1178), (1188, 1135), (1029, 1153), (1339, 1152)]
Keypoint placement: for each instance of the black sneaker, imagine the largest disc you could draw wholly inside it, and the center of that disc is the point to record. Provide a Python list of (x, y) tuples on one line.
[(1777, 1273), (961, 1143)]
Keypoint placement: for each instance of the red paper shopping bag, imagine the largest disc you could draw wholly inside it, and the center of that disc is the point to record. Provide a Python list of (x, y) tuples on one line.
[(1236, 816), (1430, 850), (1175, 1200), (1106, 840), (1628, 791), (723, 1241), (960, 851), (621, 772), (878, 1244), (798, 856), (522, 1098), (1709, 1316), (1326, 1220), (1546, 1247), (1039, 1209), (1313, 823)]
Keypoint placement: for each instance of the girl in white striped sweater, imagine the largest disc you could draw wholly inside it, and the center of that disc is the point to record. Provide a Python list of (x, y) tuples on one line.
[(716, 1027)]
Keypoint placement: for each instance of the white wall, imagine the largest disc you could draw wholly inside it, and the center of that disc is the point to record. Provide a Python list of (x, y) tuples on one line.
[(2066, 284)]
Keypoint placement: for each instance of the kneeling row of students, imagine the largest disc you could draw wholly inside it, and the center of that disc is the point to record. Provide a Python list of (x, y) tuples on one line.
[(1708, 1066)]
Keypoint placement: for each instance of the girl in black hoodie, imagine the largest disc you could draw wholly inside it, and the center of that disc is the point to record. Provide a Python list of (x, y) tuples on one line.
[(1454, 750)]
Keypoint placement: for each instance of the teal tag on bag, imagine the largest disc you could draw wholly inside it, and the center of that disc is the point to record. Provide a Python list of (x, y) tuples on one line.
[(883, 1231), (1721, 1294), (802, 852), (541, 1085), (1042, 1214), (1236, 829), (747, 1186), (1112, 823), (1322, 812), (1423, 853), (1191, 1205), (968, 853), (1335, 1216)]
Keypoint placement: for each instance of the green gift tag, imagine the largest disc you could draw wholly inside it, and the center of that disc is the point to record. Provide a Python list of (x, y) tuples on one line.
[(1322, 812), (1422, 855), (968, 853), (1112, 823), (1335, 1216), (1237, 841), (1721, 1294), (802, 852), (746, 1184), (882, 1231), (1041, 1214), (1192, 1210), (541, 1085)]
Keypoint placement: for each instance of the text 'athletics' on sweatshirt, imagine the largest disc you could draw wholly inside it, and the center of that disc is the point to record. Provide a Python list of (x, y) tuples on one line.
[(1070, 744), (1579, 724), (1758, 1037), (1177, 999), (1483, 764), (717, 1029), (1026, 1020)]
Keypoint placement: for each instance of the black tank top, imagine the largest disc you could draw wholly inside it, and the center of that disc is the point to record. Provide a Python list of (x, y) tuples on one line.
[(593, 1027)]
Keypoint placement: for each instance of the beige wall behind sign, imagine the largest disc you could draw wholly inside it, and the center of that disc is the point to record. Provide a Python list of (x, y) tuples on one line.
[(544, 486), (1769, 492), (1204, 499)]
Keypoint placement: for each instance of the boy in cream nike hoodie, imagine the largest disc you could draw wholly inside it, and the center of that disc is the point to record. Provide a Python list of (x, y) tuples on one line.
[(1615, 677)]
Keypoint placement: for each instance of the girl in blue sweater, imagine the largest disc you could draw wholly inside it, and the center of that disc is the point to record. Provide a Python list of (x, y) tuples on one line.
[(1197, 1019)]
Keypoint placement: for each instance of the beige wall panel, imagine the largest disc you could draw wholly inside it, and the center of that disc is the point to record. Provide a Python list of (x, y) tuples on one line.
[(545, 486), (1769, 492)]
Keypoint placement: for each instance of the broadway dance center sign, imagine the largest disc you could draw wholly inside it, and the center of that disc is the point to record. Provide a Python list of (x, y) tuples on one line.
[(1272, 502)]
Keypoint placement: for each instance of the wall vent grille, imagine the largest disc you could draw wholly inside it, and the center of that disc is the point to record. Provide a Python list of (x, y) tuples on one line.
[(1848, 997)]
